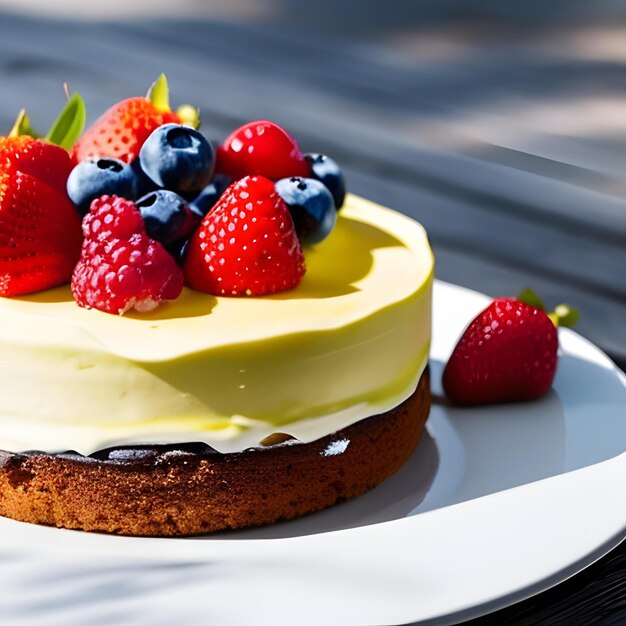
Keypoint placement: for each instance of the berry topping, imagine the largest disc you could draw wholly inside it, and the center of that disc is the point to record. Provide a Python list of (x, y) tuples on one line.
[(508, 353), (42, 160), (40, 235), (247, 245), (121, 130), (65, 130), (99, 177), (120, 267), (261, 148), (144, 184), (167, 217), (178, 158), (311, 206), (207, 198), (327, 171)]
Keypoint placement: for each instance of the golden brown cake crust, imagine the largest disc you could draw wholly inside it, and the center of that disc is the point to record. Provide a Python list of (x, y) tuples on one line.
[(185, 493)]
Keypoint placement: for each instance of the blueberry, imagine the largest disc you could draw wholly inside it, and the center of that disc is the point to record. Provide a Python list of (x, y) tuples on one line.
[(311, 206), (207, 198), (327, 171), (93, 178), (144, 184), (181, 253), (167, 218), (178, 158)]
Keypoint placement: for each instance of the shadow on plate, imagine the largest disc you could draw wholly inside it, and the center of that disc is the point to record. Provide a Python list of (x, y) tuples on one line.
[(485, 450)]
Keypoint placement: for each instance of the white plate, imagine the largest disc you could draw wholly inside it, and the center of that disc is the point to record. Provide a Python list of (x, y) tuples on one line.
[(496, 504)]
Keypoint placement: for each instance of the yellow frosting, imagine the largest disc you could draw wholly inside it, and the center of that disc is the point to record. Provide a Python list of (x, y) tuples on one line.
[(351, 341)]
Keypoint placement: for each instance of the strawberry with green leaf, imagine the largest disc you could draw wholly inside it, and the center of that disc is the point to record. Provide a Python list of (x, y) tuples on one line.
[(40, 235), (122, 130)]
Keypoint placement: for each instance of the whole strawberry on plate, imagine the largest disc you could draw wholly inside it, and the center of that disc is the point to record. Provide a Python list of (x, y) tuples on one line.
[(121, 130), (508, 353)]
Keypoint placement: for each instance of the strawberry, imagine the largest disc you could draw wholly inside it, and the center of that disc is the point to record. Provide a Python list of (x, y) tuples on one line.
[(40, 234), (42, 160), (261, 148), (121, 130), (120, 267), (507, 353), (247, 244)]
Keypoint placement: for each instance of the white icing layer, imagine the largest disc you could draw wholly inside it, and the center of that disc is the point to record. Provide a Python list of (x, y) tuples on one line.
[(351, 341)]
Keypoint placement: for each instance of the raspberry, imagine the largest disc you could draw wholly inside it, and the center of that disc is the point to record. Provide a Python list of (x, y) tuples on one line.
[(120, 267), (112, 218), (247, 245)]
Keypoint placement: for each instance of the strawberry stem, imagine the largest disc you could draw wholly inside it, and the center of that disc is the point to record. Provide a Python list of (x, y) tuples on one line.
[(563, 315), (159, 94), (566, 316), (70, 123), (22, 126), (189, 115)]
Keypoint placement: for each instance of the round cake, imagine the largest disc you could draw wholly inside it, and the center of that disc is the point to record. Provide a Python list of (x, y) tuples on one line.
[(214, 412)]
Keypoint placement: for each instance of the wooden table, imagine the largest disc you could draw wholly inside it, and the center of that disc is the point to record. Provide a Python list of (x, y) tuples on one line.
[(503, 131)]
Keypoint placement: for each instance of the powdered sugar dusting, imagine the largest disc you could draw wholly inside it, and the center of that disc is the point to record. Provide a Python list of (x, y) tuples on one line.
[(336, 447)]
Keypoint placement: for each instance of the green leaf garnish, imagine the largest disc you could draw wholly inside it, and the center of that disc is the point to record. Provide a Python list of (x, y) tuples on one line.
[(159, 94), (528, 296), (22, 126), (70, 123)]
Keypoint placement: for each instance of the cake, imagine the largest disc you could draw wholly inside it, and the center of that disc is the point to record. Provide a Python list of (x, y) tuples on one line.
[(339, 364), (213, 412)]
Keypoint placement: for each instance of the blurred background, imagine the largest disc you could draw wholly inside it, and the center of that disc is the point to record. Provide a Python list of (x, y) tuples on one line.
[(499, 125)]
